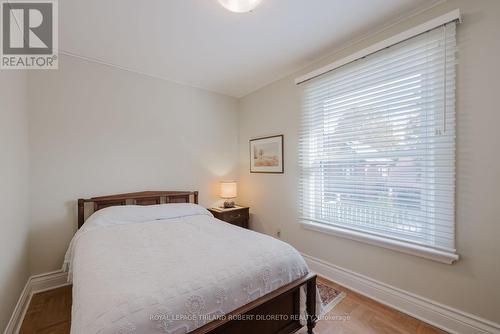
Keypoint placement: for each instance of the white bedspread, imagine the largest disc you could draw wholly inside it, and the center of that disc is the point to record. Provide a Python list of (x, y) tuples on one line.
[(169, 269)]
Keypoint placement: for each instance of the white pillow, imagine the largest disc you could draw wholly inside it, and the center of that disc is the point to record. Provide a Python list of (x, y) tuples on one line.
[(127, 214)]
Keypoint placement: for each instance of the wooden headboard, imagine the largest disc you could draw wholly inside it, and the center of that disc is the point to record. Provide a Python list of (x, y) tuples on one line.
[(140, 198)]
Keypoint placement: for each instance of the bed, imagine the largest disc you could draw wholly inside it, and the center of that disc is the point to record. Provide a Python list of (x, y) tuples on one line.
[(156, 262)]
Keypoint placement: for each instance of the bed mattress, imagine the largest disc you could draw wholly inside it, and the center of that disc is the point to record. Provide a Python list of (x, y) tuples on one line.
[(169, 269)]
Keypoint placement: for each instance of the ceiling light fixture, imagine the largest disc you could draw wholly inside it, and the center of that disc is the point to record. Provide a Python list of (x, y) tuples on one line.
[(240, 6)]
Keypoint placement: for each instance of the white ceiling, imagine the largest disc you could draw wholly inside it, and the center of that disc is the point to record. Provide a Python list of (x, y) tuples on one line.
[(199, 43)]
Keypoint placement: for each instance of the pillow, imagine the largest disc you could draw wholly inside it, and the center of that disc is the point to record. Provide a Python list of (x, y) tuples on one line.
[(127, 214)]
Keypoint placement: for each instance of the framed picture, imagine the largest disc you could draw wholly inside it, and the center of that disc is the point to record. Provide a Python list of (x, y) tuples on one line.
[(266, 155)]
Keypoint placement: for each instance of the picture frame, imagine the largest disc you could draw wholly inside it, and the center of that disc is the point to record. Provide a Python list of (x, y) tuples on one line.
[(266, 155)]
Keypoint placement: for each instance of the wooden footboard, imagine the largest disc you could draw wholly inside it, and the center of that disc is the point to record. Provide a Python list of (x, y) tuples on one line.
[(275, 313)]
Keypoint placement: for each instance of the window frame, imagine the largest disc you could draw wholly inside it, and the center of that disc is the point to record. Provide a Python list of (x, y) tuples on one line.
[(385, 241)]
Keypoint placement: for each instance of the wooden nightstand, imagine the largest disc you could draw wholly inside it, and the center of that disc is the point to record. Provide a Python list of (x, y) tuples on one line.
[(238, 215)]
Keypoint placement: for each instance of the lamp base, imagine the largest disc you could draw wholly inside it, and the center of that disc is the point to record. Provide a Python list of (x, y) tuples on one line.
[(228, 204)]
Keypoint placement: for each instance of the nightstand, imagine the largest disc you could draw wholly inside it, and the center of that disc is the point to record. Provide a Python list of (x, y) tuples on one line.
[(238, 215)]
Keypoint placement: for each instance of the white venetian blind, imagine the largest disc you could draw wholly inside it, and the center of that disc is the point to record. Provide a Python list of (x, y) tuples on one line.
[(377, 143)]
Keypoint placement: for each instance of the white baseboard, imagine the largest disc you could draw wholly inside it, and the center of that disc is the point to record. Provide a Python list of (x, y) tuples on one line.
[(431, 312), (35, 284)]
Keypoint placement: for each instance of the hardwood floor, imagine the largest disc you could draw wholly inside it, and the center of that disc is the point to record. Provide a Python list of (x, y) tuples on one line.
[(370, 317), (50, 312)]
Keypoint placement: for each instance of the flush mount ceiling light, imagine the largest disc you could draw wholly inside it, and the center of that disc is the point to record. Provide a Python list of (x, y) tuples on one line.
[(240, 6)]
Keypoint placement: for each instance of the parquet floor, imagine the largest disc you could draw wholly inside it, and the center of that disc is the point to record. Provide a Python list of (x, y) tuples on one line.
[(370, 317), (50, 312)]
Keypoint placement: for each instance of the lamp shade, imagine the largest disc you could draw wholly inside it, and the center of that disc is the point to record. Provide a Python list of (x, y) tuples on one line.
[(228, 190), (240, 6)]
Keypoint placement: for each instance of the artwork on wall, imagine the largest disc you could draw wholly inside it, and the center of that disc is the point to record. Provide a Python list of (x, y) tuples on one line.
[(266, 155)]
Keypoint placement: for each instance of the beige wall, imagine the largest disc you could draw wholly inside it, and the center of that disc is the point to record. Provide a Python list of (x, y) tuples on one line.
[(13, 191), (97, 130), (471, 284)]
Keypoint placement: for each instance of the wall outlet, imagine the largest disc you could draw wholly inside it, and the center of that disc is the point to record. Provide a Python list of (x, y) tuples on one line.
[(278, 233)]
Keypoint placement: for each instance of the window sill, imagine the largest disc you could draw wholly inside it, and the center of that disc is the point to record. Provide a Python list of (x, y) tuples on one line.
[(400, 246)]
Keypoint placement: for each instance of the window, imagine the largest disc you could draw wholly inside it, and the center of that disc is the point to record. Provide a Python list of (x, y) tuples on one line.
[(377, 147)]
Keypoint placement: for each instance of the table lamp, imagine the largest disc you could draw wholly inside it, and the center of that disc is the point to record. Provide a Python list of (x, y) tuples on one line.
[(228, 191)]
